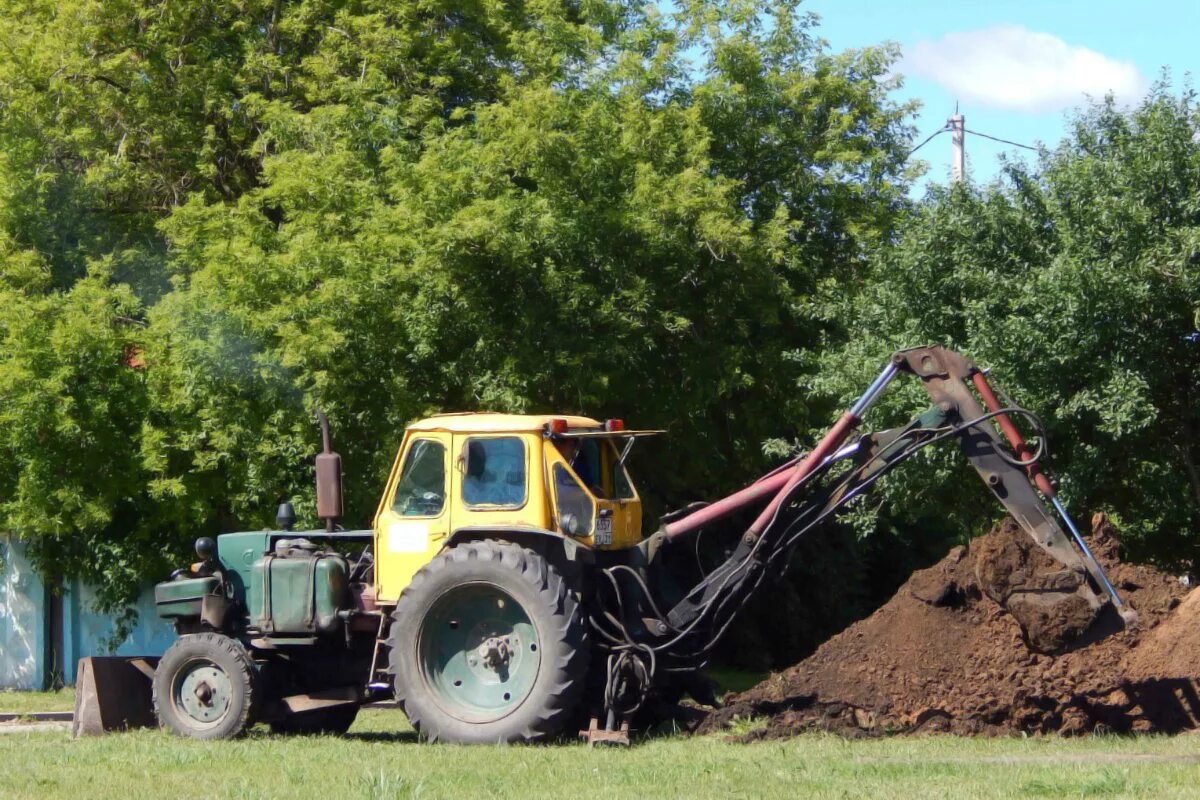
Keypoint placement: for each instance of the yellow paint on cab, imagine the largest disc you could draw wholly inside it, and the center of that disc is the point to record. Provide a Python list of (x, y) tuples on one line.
[(411, 530)]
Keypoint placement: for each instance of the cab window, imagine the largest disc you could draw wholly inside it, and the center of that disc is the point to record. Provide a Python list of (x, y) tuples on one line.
[(421, 491), (573, 505), (494, 472), (622, 486), (587, 466)]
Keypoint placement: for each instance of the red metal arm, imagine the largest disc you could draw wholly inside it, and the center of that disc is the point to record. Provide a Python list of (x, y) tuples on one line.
[(783, 479), (1019, 446), (768, 485), (825, 448)]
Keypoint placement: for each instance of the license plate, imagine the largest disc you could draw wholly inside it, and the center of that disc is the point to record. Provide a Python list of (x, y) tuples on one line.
[(603, 534)]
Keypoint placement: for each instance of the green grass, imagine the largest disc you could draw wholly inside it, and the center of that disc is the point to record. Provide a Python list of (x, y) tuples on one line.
[(381, 758), (24, 702)]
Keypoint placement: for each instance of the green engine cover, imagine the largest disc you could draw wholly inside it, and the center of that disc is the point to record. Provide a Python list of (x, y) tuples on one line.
[(238, 553), (280, 589), (298, 593), (183, 598)]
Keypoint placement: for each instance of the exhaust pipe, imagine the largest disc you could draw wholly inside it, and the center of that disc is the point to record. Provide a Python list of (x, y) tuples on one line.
[(329, 478)]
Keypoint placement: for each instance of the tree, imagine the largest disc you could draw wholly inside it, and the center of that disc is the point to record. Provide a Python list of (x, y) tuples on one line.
[(1078, 281), (69, 423), (390, 209)]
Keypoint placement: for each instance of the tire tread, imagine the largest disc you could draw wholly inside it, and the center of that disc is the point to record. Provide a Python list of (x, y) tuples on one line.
[(557, 704), (217, 644)]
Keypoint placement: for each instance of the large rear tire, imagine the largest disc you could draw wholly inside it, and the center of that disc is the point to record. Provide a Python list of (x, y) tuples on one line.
[(204, 687), (488, 644)]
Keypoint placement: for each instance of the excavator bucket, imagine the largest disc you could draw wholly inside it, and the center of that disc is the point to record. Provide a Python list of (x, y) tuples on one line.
[(112, 694), (1051, 601), (1055, 607)]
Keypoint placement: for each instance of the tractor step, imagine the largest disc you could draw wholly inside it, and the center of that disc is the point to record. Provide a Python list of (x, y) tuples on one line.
[(378, 679)]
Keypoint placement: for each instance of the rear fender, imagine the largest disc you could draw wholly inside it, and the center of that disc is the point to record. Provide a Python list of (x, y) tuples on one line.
[(571, 557)]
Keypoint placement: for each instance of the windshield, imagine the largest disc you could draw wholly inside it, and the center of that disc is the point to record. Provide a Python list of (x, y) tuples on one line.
[(421, 491)]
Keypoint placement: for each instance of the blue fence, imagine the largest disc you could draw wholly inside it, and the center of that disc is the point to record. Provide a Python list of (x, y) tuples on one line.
[(42, 638)]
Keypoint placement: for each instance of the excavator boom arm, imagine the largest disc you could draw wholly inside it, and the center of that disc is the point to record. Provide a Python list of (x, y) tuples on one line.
[(816, 486)]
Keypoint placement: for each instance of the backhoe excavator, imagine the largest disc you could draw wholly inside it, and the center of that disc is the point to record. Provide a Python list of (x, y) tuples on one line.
[(506, 592)]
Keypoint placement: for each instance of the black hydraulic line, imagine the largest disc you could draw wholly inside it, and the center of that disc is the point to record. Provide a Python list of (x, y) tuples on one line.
[(641, 583), (776, 550), (786, 544), (818, 471), (852, 493), (903, 456), (722, 616), (748, 560), (633, 665), (721, 599), (606, 634)]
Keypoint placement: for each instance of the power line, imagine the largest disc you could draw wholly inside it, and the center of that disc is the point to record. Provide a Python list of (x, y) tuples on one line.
[(928, 139), (998, 139), (947, 127)]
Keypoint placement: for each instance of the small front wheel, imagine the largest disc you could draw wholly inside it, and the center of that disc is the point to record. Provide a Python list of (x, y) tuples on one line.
[(204, 687)]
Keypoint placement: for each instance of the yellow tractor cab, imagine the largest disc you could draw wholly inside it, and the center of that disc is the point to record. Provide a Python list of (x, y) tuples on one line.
[(463, 475)]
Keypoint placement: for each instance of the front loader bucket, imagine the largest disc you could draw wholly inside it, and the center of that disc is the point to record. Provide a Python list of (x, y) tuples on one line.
[(113, 693)]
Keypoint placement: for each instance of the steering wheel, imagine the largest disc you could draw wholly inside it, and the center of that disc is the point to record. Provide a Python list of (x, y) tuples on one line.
[(424, 504)]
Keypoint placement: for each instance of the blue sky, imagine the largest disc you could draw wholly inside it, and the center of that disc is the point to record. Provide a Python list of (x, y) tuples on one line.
[(1017, 67)]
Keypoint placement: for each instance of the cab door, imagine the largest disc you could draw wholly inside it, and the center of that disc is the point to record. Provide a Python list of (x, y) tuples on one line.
[(623, 498), (414, 518), (575, 508), (594, 499), (493, 482)]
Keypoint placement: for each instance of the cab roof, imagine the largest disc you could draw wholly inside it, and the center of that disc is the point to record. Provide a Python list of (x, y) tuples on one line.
[(491, 422)]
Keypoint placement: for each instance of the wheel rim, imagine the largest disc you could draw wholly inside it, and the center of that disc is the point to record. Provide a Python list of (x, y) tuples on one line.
[(479, 652), (202, 693)]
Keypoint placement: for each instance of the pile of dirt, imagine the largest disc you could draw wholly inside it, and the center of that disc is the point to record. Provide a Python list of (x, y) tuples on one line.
[(962, 646)]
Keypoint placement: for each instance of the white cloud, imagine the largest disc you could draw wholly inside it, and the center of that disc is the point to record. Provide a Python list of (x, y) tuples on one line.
[(1009, 67)]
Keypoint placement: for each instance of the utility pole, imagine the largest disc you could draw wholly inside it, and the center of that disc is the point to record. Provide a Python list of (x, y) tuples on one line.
[(958, 156)]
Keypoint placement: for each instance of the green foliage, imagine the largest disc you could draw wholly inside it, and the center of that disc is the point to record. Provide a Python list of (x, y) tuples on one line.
[(70, 418), (215, 217), (1078, 281), (388, 209)]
